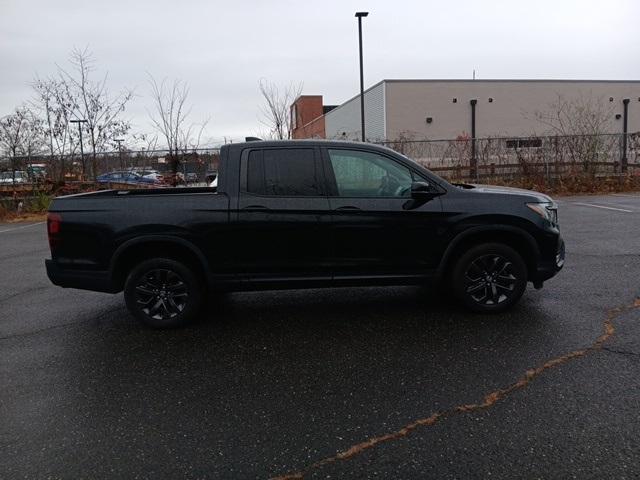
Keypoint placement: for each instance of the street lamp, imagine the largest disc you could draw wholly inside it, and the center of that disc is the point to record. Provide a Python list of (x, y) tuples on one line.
[(79, 122), (360, 15)]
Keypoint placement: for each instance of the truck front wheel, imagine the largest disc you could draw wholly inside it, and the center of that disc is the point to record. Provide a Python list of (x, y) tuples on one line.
[(163, 293), (489, 278)]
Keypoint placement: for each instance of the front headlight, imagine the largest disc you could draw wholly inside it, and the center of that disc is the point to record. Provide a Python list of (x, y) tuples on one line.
[(547, 210)]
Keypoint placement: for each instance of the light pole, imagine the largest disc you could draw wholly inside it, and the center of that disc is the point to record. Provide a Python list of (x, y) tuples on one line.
[(625, 127), (474, 160), (119, 142), (79, 122), (360, 15)]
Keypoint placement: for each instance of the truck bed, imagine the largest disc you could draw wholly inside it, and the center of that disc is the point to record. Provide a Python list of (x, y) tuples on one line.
[(95, 225)]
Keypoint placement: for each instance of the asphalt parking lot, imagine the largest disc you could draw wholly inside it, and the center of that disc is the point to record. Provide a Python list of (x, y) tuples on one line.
[(341, 383)]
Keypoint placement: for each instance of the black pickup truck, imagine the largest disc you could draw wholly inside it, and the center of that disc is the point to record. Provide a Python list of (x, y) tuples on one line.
[(298, 214)]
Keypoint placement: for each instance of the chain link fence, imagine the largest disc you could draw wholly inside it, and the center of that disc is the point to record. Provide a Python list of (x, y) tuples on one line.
[(540, 160), (511, 158)]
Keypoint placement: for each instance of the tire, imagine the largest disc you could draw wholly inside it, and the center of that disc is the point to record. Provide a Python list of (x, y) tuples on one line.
[(163, 293), (489, 278)]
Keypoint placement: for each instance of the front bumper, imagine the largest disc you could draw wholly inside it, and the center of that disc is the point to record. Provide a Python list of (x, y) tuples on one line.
[(547, 269), (95, 280)]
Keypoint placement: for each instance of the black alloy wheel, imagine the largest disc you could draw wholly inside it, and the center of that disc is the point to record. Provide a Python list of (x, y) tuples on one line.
[(490, 278), (163, 293)]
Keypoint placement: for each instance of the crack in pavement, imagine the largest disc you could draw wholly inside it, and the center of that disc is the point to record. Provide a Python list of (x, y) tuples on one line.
[(488, 400), (621, 352)]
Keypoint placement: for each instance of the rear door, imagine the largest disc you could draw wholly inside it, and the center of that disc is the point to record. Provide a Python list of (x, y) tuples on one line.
[(283, 214), (377, 228)]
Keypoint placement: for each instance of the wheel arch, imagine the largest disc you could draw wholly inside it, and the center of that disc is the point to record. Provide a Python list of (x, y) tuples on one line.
[(516, 238), (136, 250)]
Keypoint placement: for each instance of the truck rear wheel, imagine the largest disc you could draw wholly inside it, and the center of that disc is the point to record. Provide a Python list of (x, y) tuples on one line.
[(489, 278), (163, 293)]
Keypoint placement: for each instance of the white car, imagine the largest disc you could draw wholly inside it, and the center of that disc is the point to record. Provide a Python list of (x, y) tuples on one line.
[(18, 176), (211, 178), (151, 174)]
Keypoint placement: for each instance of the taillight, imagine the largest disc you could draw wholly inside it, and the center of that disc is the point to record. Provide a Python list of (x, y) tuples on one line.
[(54, 221)]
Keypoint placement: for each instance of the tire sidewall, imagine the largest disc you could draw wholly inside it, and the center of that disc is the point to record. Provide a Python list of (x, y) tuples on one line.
[(194, 290), (461, 266)]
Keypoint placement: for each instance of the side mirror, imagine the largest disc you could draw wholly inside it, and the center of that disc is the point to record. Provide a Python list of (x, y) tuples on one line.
[(422, 190)]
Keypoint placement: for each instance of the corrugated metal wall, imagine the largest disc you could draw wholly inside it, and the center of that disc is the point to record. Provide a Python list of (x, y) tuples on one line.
[(343, 122)]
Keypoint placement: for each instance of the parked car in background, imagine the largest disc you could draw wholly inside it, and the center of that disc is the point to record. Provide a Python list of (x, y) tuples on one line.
[(130, 178), (150, 173), (191, 177), (18, 176), (211, 178), (37, 172)]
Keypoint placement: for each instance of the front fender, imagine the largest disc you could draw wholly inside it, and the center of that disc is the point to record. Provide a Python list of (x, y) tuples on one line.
[(486, 231)]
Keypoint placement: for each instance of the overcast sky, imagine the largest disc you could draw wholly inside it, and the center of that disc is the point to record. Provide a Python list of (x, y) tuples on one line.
[(223, 49)]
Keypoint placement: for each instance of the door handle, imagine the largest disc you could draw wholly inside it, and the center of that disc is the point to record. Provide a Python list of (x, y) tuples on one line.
[(255, 208), (348, 207)]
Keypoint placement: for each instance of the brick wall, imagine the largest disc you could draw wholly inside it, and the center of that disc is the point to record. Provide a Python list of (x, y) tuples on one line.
[(307, 117)]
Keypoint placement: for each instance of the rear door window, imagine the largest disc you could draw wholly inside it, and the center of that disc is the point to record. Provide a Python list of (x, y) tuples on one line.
[(287, 172)]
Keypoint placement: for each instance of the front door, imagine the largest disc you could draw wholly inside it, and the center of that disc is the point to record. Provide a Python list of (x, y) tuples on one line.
[(377, 229)]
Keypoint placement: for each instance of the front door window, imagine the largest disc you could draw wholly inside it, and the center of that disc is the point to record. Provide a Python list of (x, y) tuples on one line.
[(366, 174)]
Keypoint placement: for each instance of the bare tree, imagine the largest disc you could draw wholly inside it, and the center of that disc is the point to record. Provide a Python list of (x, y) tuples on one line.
[(94, 103), (55, 102), (149, 142), (20, 135), (581, 122), (170, 111), (580, 115), (145, 141), (276, 110), (189, 139), (170, 119)]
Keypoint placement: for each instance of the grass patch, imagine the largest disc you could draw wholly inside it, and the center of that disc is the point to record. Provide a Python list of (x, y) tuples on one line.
[(32, 209)]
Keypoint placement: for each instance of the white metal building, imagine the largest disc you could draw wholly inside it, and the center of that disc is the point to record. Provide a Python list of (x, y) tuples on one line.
[(442, 109)]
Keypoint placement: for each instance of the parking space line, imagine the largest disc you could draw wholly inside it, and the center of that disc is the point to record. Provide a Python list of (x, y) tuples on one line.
[(603, 206), (628, 195), (23, 226)]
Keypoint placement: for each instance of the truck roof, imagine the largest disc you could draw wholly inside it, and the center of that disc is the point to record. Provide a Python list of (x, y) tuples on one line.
[(304, 143)]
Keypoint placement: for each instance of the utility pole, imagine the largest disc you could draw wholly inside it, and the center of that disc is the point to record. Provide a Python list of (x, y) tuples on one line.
[(80, 122), (119, 142), (360, 15)]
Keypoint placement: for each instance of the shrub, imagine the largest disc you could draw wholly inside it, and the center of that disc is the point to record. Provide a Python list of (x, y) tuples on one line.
[(40, 203), (4, 212)]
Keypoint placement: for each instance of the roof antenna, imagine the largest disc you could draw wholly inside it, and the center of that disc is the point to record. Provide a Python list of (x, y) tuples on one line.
[(474, 73)]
